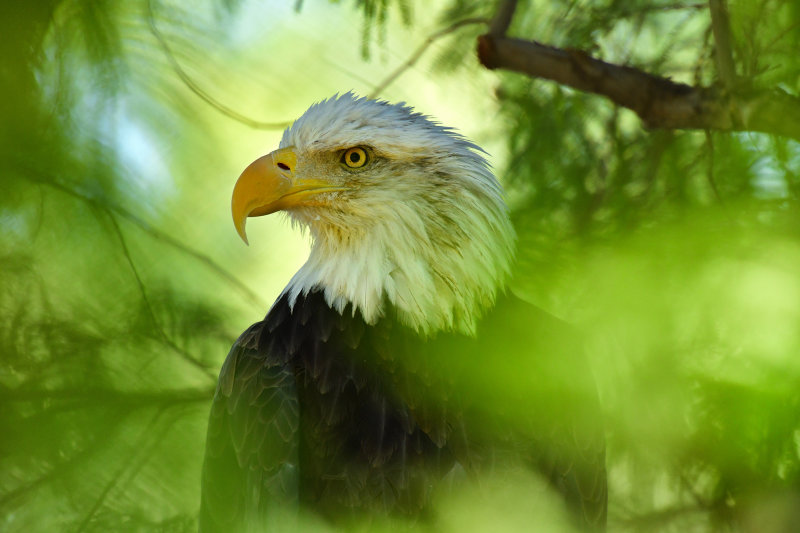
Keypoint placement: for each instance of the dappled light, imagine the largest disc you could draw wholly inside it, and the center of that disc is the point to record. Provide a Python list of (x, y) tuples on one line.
[(672, 253)]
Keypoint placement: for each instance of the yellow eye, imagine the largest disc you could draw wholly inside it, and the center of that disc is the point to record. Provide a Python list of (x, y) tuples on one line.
[(355, 157)]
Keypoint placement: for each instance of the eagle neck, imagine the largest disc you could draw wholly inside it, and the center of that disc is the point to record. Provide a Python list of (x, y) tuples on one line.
[(428, 283)]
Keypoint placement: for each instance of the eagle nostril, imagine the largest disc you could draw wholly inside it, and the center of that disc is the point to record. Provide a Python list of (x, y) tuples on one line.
[(284, 166)]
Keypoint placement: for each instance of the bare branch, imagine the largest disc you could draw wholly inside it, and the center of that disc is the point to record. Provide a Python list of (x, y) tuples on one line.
[(137, 451), (502, 20), (659, 102), (151, 231), (413, 58), (151, 313), (196, 89), (720, 26)]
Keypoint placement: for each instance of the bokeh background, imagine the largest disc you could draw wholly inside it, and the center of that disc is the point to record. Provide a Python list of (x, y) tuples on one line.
[(123, 126)]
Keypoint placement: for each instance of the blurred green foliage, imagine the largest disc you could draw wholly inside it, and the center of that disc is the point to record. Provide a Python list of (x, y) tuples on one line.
[(676, 252)]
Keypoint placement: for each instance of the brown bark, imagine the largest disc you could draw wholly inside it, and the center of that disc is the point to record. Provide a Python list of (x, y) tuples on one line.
[(659, 102)]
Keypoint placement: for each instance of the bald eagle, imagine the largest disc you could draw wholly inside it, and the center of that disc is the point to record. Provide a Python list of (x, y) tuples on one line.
[(396, 364)]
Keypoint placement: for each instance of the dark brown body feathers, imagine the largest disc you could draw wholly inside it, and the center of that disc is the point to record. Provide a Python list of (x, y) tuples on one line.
[(320, 410)]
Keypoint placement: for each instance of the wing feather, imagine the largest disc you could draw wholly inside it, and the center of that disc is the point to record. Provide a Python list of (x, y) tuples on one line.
[(249, 472)]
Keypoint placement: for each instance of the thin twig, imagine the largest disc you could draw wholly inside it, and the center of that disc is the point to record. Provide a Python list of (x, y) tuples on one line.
[(154, 233), (781, 35), (144, 454), (148, 306), (413, 58), (196, 89), (710, 173), (136, 451)]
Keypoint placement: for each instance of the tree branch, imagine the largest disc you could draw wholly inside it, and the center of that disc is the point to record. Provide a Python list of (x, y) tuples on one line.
[(659, 102), (196, 89), (148, 306), (502, 20), (720, 26), (414, 57), (137, 451), (155, 233)]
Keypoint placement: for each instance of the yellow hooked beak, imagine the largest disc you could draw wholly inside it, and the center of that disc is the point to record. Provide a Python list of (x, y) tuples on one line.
[(269, 184)]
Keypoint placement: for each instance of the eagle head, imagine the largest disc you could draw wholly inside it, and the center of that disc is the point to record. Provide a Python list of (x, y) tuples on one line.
[(403, 213)]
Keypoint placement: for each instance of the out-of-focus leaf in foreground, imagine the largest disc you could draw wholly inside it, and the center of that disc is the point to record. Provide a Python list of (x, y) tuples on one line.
[(110, 332), (676, 253)]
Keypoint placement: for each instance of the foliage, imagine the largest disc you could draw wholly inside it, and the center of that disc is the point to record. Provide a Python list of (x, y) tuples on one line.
[(676, 253)]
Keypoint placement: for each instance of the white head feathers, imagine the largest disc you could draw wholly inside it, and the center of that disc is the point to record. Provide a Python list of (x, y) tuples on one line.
[(426, 229)]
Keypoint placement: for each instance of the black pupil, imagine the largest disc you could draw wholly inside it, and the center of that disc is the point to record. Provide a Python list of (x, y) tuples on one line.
[(354, 157)]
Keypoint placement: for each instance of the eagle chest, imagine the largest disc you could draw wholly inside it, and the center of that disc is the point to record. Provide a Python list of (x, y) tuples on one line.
[(373, 422)]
